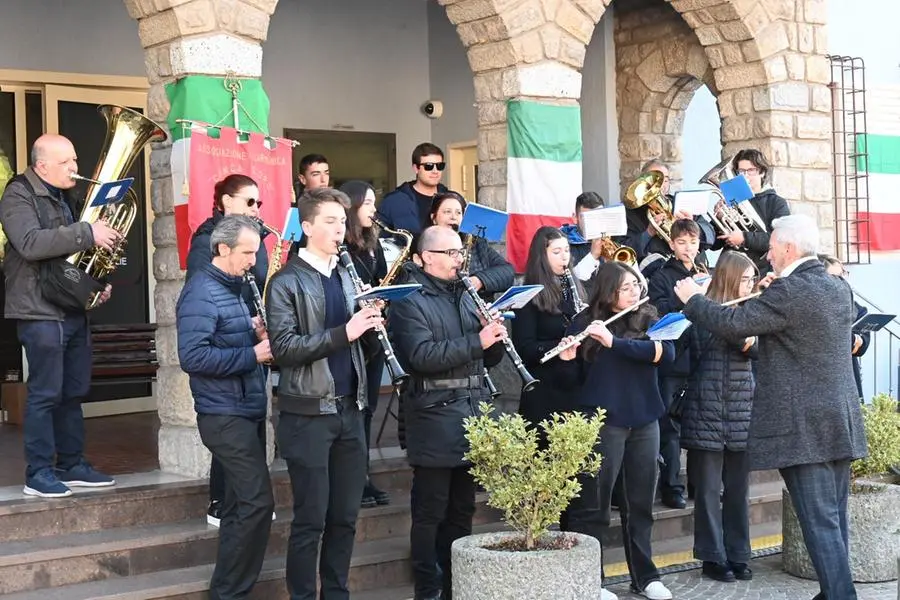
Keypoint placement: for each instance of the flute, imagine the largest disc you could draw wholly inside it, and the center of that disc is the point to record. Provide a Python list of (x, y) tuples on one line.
[(578, 337)]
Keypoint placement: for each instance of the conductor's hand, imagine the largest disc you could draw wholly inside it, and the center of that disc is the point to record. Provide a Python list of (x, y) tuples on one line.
[(766, 281), (492, 333), (363, 321), (104, 236), (263, 352), (687, 288), (568, 353)]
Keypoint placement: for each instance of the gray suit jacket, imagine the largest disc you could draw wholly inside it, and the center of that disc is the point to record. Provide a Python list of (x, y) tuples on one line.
[(805, 409)]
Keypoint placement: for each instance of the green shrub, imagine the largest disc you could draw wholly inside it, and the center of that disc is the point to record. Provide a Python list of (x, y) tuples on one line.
[(882, 424), (532, 487)]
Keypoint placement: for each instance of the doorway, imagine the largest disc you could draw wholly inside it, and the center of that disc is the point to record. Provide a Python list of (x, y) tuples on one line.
[(462, 162)]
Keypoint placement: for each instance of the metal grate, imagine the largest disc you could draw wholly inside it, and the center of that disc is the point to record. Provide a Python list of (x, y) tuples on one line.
[(850, 150)]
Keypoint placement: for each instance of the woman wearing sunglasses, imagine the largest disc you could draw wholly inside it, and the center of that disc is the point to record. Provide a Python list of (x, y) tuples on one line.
[(235, 195)]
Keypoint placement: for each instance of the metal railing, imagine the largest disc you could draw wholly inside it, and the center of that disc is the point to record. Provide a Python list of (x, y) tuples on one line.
[(880, 365)]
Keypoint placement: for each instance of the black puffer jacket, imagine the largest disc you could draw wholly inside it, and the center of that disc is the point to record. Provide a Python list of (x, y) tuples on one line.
[(719, 396)]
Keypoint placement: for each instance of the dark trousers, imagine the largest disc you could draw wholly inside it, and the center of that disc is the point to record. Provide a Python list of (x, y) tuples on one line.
[(583, 514), (374, 371), (819, 493), (239, 445), (443, 504), (59, 377), (326, 460), (670, 440), (632, 452), (721, 531)]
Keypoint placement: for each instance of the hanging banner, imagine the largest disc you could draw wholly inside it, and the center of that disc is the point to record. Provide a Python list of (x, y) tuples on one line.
[(219, 152)]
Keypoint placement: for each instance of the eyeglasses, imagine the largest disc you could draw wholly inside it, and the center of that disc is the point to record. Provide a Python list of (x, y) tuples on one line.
[(452, 252), (751, 279), (630, 287), (430, 166), (251, 202), (750, 171)]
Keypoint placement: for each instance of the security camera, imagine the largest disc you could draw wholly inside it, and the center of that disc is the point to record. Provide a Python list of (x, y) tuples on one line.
[(433, 109)]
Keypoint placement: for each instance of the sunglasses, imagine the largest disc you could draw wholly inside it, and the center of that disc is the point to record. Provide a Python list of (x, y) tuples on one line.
[(251, 202), (430, 166)]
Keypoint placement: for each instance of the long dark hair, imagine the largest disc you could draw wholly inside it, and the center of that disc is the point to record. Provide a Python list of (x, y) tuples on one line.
[(538, 271), (726, 280), (607, 281), (357, 236), (230, 185)]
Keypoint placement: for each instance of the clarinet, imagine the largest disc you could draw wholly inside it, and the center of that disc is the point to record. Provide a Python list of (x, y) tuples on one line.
[(398, 375), (250, 280), (528, 382), (579, 304)]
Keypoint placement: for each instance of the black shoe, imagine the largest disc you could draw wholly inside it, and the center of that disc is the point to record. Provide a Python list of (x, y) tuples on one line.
[(719, 571), (673, 500), (214, 513), (381, 497), (741, 571), (368, 502)]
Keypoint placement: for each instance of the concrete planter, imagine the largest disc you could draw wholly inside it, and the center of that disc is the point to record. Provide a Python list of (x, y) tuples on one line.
[(874, 522), (482, 574)]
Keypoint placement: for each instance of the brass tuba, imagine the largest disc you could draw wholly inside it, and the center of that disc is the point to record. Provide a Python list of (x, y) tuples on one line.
[(646, 190), (728, 219), (126, 135)]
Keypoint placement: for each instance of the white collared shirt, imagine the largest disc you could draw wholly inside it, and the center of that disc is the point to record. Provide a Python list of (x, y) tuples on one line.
[(793, 266), (325, 267)]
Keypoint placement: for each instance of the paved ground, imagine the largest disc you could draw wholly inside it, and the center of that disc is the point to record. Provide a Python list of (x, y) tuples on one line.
[(769, 583)]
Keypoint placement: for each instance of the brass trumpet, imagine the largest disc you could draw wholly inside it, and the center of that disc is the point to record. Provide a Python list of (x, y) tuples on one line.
[(611, 251), (646, 190)]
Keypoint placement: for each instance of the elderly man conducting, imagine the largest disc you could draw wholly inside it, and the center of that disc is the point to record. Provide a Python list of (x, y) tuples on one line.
[(806, 418)]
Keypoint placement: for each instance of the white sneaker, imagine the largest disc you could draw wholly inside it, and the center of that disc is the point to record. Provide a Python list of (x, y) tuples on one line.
[(607, 595), (655, 590)]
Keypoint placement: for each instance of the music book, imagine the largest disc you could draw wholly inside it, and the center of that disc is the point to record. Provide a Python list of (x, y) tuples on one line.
[(736, 190), (292, 231), (515, 297), (600, 222), (112, 192), (872, 322), (388, 293), (669, 327), (483, 221)]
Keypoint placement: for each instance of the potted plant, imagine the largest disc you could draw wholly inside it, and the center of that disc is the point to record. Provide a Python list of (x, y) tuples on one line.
[(873, 510), (531, 486)]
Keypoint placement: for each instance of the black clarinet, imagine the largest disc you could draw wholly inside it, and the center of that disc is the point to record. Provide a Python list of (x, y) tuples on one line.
[(250, 280), (528, 382), (396, 372)]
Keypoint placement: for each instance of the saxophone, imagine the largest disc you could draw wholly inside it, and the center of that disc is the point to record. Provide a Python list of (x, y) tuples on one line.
[(275, 260), (404, 255)]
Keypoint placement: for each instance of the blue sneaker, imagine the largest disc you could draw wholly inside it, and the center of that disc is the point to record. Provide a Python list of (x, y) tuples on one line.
[(84, 475), (45, 484)]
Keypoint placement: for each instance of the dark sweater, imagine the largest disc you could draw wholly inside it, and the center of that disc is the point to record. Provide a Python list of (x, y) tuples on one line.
[(339, 362)]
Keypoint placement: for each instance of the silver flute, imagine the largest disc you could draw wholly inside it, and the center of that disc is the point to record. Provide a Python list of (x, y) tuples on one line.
[(580, 336)]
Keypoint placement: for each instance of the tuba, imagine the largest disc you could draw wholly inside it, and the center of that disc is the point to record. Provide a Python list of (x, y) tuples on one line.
[(127, 132), (728, 219), (646, 190)]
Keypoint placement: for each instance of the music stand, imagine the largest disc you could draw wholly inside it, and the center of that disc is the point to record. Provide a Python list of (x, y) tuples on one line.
[(872, 322), (484, 222), (112, 192), (292, 231)]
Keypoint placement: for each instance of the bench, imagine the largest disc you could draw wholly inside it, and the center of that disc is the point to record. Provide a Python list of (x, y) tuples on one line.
[(124, 354)]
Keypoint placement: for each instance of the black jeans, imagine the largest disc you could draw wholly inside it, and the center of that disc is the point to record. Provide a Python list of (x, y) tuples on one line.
[(239, 445), (59, 377), (443, 504), (632, 452), (583, 514), (326, 460), (721, 530), (670, 440), (374, 372)]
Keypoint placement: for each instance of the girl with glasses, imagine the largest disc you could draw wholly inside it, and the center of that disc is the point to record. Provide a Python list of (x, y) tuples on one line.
[(715, 422)]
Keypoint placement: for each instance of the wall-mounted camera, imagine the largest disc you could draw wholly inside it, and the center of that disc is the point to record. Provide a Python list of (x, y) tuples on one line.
[(433, 109)]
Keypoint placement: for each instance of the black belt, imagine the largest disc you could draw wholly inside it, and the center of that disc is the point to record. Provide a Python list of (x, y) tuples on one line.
[(471, 382)]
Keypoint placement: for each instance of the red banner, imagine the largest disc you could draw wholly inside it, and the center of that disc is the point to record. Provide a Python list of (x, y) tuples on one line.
[(266, 160)]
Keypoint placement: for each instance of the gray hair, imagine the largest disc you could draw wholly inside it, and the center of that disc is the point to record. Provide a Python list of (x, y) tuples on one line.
[(228, 230), (799, 230), (429, 237), (653, 162)]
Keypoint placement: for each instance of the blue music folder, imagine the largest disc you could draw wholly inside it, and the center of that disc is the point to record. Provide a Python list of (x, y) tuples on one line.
[(515, 297), (292, 231), (485, 222), (736, 190), (388, 293), (669, 327), (872, 322), (112, 192)]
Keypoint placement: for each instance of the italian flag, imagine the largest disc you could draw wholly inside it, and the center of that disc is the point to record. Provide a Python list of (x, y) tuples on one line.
[(204, 98), (880, 156), (543, 171)]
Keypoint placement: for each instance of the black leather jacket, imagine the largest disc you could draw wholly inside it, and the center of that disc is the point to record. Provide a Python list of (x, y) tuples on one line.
[(295, 308)]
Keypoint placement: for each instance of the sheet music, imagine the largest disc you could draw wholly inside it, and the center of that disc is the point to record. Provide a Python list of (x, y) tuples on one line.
[(600, 222), (694, 202)]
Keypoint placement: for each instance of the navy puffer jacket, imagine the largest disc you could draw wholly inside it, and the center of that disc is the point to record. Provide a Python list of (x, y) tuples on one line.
[(716, 411), (215, 346)]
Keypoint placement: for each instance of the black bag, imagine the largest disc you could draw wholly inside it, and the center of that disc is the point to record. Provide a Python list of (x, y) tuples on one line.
[(61, 282)]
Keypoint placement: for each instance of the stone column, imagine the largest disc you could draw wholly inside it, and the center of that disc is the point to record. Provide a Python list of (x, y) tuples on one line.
[(185, 38)]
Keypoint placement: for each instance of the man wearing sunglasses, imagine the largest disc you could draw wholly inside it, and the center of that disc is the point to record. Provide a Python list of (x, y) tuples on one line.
[(409, 205)]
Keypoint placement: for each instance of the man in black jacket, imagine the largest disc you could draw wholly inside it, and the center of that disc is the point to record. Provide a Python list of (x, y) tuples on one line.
[(321, 396), (443, 345), (408, 206)]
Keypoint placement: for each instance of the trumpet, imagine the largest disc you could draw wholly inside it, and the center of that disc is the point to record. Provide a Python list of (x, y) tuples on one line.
[(611, 251), (398, 375), (579, 337)]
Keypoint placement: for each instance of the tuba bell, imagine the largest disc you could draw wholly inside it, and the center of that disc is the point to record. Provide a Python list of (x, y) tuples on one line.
[(727, 218), (646, 190), (126, 135)]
